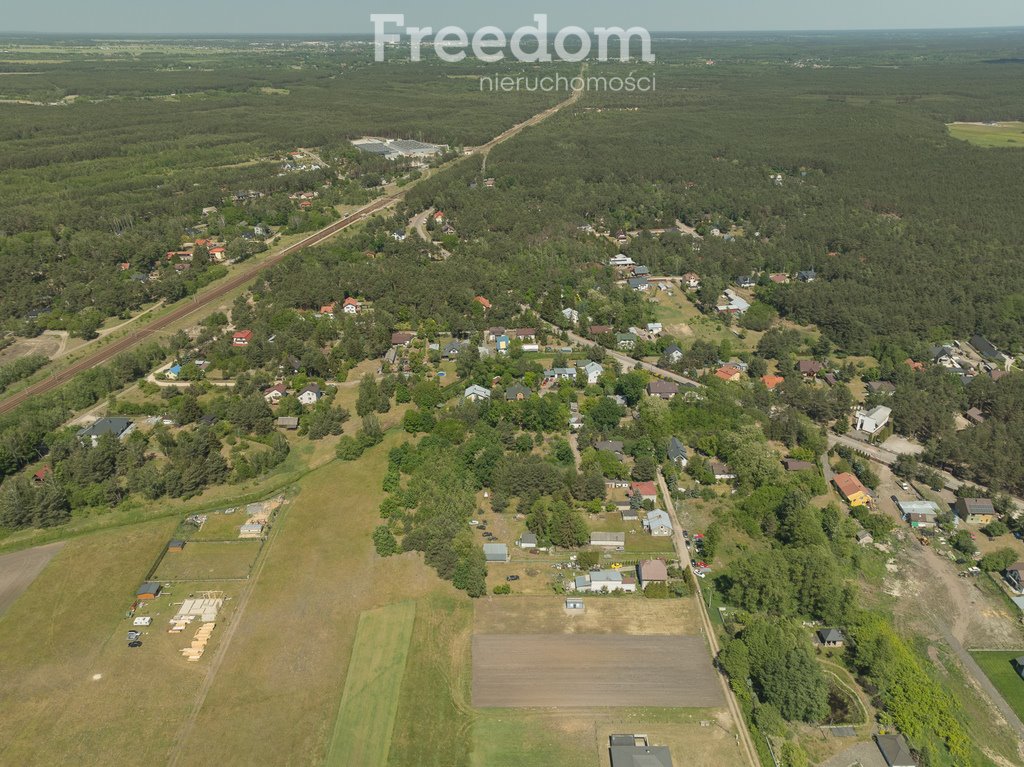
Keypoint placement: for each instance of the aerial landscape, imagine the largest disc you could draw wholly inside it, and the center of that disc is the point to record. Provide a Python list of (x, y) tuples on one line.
[(634, 387)]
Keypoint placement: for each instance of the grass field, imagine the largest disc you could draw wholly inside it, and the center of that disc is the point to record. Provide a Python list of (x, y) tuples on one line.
[(369, 705), (1000, 135), (209, 561), (997, 667)]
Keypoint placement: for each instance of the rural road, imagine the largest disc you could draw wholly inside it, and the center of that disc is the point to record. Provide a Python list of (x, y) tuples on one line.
[(628, 363), (198, 304), (743, 734)]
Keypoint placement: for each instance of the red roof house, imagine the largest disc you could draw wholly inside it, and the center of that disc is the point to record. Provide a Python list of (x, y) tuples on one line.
[(241, 338)]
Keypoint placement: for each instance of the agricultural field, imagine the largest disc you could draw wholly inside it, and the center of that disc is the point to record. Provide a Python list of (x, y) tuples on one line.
[(1001, 135), (998, 668), (366, 719)]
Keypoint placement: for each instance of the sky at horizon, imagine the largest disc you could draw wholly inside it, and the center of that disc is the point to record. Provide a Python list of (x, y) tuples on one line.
[(330, 17)]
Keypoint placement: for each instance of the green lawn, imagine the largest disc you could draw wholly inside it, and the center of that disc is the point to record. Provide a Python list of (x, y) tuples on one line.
[(209, 561), (997, 667), (1000, 135), (369, 704)]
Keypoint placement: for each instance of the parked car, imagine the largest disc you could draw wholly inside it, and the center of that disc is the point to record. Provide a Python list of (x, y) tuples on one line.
[(135, 643), (511, 577)]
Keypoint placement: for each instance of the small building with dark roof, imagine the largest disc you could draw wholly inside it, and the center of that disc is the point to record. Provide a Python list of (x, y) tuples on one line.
[(148, 590)]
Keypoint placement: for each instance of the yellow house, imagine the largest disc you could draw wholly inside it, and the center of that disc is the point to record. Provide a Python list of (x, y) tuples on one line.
[(852, 490)]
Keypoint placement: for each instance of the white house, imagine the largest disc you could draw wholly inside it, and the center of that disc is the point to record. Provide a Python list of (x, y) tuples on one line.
[(873, 421), (658, 523), (605, 580), (527, 541), (476, 393), (572, 315), (350, 306), (620, 260), (673, 353), (592, 371), (310, 395)]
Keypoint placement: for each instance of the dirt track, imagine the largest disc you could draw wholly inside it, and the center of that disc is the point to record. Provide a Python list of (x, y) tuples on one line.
[(18, 570), (587, 671)]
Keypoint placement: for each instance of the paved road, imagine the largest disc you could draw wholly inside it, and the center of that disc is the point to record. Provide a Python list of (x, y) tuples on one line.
[(743, 734), (628, 363), (200, 303)]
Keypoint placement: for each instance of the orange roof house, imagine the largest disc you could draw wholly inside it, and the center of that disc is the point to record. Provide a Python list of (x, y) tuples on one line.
[(729, 373), (771, 382), (327, 309), (241, 338), (483, 302), (915, 366), (852, 490)]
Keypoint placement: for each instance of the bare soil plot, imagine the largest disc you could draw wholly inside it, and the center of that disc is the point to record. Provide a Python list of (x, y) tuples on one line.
[(603, 615), (560, 670), (46, 343), (18, 570)]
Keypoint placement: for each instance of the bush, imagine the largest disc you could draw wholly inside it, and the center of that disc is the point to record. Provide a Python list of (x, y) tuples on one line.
[(502, 588)]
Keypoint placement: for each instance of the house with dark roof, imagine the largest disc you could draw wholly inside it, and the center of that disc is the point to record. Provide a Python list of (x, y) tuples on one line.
[(636, 751), (975, 511), (1014, 575), (677, 453), (673, 353), (662, 389), (792, 464), (310, 394), (652, 571), (610, 446), (831, 638), (809, 368), (517, 392), (881, 387), (895, 751), (116, 426), (807, 275)]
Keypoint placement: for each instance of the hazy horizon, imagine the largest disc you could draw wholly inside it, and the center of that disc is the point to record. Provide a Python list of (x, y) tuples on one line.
[(269, 17)]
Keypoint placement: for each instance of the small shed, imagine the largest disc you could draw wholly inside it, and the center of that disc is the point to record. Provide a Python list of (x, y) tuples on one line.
[(176, 545), (148, 590), (574, 604)]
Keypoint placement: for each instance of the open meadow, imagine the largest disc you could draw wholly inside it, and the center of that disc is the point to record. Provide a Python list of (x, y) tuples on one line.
[(1000, 135), (998, 667)]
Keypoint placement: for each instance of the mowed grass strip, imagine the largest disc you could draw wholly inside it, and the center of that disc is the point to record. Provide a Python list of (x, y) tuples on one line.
[(998, 667), (369, 704), (209, 561), (1001, 135)]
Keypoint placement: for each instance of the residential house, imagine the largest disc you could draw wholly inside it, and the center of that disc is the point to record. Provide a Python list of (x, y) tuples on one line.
[(310, 395), (40, 476), (808, 275), (874, 420), (641, 271), (627, 512), (831, 638), (746, 281), (1014, 575), (658, 523), (620, 260), (691, 280), (527, 541), (917, 367), (662, 389), (475, 393), (772, 382), (625, 341), (327, 310), (651, 571), (792, 464), (919, 514), (989, 351), (273, 394), (610, 446), (287, 422), (502, 343), (571, 315), (728, 373), (600, 330), (881, 387), (453, 348), (526, 334), (174, 371), (638, 283), (241, 338), (517, 392), (975, 511), (402, 338), (351, 306), (975, 416), (483, 302), (779, 278), (721, 470), (677, 453), (648, 491), (895, 751), (851, 489), (559, 374), (809, 368), (635, 751), (496, 552), (398, 235), (673, 354), (605, 580), (608, 540), (115, 425), (734, 303), (592, 371)]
